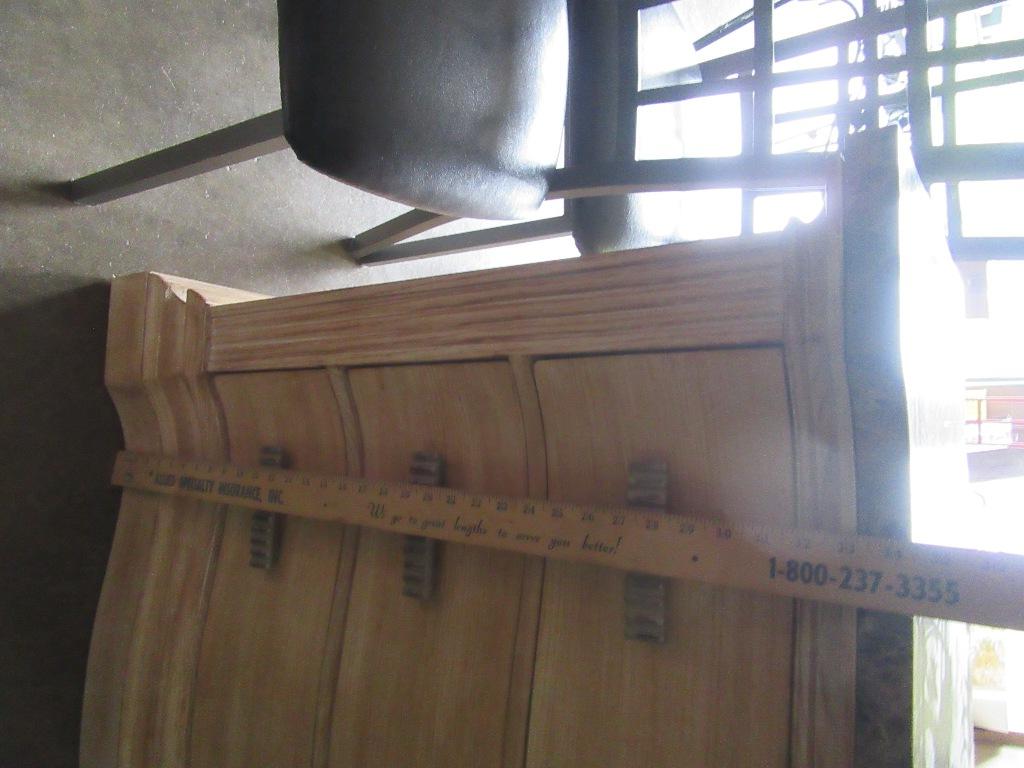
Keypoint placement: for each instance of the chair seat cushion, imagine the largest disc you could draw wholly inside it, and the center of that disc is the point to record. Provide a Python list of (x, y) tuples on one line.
[(453, 106)]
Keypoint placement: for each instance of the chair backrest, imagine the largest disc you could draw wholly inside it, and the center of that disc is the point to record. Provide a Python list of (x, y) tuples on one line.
[(602, 119)]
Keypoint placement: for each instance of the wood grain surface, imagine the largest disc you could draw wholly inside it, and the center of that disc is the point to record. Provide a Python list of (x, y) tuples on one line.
[(825, 636), (718, 691), (265, 636), (142, 659), (129, 555), (156, 709), (427, 683), (661, 298), (517, 716)]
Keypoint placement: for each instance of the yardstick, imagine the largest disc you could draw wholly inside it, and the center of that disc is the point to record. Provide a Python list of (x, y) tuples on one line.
[(913, 579)]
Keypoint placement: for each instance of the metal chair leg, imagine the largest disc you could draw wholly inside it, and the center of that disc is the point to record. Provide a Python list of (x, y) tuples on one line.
[(234, 144)]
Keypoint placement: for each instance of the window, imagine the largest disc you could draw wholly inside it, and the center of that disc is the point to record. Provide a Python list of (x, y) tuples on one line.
[(797, 77)]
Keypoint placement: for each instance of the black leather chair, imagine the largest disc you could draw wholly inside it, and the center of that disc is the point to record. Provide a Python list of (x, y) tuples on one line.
[(451, 106)]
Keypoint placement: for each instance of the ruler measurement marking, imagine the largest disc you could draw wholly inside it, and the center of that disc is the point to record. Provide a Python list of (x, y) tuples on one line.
[(865, 572)]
